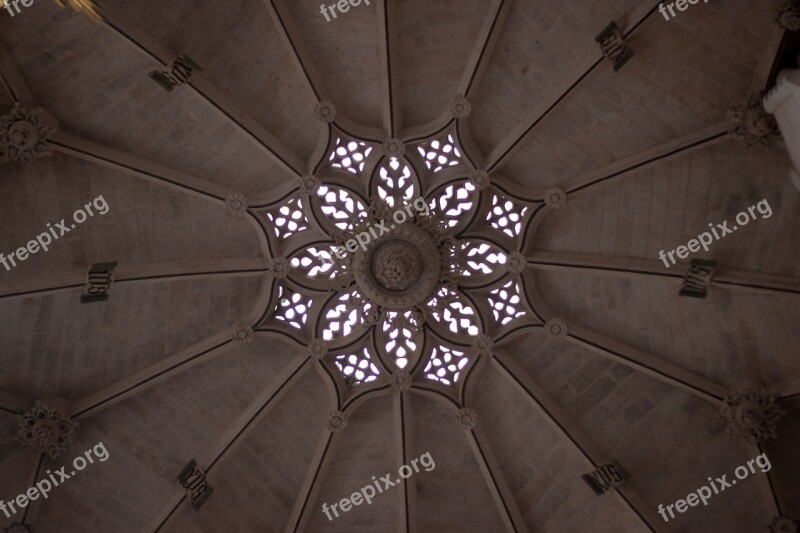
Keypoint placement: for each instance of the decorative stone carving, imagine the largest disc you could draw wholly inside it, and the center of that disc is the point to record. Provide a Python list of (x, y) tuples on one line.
[(18, 527), (479, 179), (482, 345), (556, 328), (698, 278), (194, 481), (336, 422), (24, 135), (236, 204), (181, 73), (45, 429), (243, 333), (613, 45), (99, 280), (318, 348), (784, 524), (394, 148), (372, 315), (467, 418), (788, 16), (751, 124), (325, 111), (460, 106), (606, 477), (400, 270), (279, 266), (516, 263), (401, 381), (555, 198), (309, 184), (751, 411)]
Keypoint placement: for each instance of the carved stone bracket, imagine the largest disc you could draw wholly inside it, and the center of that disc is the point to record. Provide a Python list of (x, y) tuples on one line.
[(698, 278), (613, 45), (181, 73), (606, 477), (194, 481), (99, 280)]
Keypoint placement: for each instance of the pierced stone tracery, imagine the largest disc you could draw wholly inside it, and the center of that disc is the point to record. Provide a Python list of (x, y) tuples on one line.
[(445, 365), (293, 308), (288, 218), (506, 216), (404, 275), (357, 367), (440, 153), (349, 155)]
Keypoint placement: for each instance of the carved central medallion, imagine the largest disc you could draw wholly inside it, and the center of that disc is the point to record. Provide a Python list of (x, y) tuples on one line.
[(396, 265), (399, 270)]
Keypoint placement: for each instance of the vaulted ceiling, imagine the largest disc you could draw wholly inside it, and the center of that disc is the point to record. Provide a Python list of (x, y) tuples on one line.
[(643, 155)]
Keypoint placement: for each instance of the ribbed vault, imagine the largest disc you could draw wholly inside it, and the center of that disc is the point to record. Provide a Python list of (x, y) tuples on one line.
[(232, 331)]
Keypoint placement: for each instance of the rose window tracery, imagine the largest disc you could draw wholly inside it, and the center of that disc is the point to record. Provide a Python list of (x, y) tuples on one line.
[(392, 260)]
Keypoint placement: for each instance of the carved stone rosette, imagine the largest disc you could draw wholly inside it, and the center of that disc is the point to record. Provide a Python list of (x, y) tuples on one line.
[(401, 381), (317, 349), (516, 263), (467, 418), (325, 111), (309, 184), (236, 204), (751, 411), (783, 524), (751, 124), (482, 345), (788, 16), (24, 134), (556, 328), (555, 198), (479, 179), (46, 430), (460, 106), (394, 148), (336, 422), (243, 333), (279, 266)]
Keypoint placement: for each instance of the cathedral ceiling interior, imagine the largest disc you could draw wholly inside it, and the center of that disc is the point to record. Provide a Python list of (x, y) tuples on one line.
[(399, 265)]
